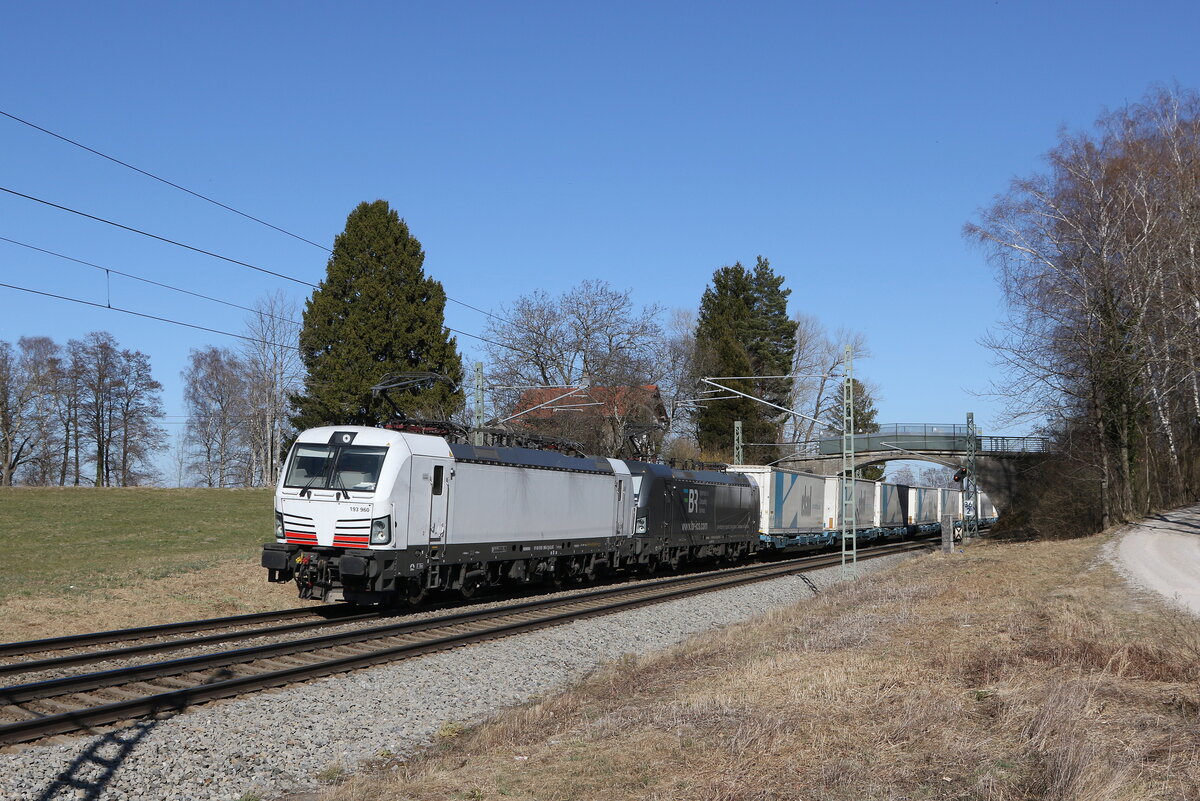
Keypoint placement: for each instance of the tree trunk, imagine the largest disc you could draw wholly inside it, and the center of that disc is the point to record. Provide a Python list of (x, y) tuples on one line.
[(1098, 425), (66, 454)]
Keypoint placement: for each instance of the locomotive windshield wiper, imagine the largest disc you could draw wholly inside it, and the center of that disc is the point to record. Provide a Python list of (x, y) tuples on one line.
[(307, 488)]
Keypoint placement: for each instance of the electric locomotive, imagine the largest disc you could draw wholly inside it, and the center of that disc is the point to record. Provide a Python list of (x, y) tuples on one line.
[(693, 515), (374, 515)]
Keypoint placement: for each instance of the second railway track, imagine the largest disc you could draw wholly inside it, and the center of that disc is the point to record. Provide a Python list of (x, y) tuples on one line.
[(78, 702)]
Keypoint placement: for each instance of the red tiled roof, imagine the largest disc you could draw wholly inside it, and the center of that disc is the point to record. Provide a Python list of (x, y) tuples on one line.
[(602, 401)]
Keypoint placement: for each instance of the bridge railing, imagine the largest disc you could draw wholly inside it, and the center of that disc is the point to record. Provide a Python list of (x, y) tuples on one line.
[(931, 437), (1014, 445)]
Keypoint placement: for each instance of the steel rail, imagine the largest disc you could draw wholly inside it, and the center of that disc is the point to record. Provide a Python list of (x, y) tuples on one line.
[(339, 616), (328, 616), (183, 627), (88, 657), (90, 681), (177, 700)]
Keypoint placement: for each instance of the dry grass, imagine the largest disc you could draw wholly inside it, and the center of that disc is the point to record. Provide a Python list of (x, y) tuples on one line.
[(226, 588), (81, 559), (1010, 673)]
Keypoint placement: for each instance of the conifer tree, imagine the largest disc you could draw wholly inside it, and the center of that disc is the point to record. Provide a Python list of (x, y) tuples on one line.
[(864, 423), (743, 329), (375, 313)]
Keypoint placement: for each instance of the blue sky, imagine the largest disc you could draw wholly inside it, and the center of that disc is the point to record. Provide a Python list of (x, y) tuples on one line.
[(533, 145)]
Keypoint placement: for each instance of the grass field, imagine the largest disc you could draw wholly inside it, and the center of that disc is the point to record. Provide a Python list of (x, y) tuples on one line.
[(79, 559), (1005, 673)]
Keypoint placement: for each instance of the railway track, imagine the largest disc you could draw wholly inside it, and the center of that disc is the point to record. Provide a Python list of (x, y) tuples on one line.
[(166, 629), (81, 701)]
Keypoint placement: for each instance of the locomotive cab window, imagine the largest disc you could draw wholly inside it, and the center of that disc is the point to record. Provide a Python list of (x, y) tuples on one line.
[(357, 468), (438, 474), (351, 467), (309, 466)]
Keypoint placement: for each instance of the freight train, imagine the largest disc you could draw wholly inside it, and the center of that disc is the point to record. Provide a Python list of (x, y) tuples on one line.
[(377, 516), (800, 511)]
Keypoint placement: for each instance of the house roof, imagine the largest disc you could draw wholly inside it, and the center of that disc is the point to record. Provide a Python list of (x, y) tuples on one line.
[(592, 402)]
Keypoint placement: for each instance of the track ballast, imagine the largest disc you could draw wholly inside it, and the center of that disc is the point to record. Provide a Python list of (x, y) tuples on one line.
[(79, 702)]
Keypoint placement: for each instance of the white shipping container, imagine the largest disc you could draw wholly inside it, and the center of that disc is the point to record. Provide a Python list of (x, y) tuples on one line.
[(922, 505), (950, 503), (864, 507), (890, 511)]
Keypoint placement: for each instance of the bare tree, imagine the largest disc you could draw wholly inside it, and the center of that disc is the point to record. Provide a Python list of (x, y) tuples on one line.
[(1097, 258), (819, 362), (215, 392), (679, 375), (137, 404), (273, 373), (938, 477), (41, 363), (592, 330), (180, 456), (68, 401), (97, 361), (119, 405), (18, 394)]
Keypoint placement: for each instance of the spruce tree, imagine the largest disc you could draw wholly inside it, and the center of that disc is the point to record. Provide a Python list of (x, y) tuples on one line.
[(375, 313), (743, 329), (864, 423)]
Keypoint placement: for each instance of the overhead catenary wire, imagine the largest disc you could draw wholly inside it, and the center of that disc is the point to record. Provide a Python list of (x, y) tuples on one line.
[(213, 201), (149, 281), (149, 316), (238, 261), (201, 327), (156, 236), (160, 179)]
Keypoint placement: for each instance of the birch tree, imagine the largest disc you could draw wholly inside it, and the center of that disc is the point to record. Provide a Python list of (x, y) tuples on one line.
[(273, 373), (17, 394), (215, 393), (1097, 260)]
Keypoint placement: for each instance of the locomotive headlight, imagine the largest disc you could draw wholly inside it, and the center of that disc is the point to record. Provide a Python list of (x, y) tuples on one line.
[(278, 526), (640, 526), (381, 530)]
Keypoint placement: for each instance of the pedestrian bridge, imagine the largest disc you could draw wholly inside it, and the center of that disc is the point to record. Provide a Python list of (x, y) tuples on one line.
[(930, 439), (998, 460)]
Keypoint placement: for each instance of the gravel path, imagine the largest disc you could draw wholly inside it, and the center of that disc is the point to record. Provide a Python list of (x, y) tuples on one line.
[(1162, 553), (284, 740)]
